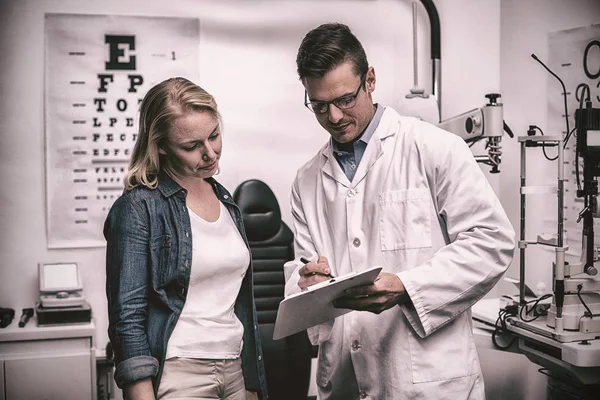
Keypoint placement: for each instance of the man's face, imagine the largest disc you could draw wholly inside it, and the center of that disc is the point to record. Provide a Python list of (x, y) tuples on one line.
[(344, 125)]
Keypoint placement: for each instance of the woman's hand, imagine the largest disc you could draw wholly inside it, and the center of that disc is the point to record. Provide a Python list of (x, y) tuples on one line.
[(251, 395), (140, 390)]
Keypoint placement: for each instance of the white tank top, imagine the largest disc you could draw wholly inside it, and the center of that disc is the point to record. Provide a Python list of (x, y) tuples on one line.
[(208, 327)]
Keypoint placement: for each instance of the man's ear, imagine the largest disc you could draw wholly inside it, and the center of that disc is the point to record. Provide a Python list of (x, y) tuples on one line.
[(370, 80)]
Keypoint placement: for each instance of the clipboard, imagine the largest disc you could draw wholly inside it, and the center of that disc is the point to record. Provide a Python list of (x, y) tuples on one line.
[(314, 305)]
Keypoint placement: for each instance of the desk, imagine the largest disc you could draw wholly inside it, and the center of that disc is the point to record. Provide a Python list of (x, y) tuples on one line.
[(507, 374), (47, 362)]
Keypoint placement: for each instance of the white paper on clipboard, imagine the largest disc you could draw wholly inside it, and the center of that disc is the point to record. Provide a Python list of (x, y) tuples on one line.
[(314, 306)]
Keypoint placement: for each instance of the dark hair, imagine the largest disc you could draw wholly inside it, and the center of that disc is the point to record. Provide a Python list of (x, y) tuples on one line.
[(328, 46)]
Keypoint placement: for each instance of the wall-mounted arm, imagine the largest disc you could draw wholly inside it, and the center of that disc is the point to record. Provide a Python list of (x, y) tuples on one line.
[(436, 51), (486, 122)]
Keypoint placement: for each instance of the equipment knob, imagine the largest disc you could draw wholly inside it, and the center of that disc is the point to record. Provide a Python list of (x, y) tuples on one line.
[(493, 97), (471, 123), (591, 270)]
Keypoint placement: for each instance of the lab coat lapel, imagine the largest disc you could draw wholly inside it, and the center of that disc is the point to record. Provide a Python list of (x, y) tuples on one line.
[(388, 126), (331, 167), (374, 149)]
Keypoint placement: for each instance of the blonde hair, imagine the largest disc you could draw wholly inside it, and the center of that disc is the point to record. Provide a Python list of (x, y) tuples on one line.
[(162, 104)]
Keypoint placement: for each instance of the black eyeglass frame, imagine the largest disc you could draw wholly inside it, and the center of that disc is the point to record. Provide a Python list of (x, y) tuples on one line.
[(336, 102)]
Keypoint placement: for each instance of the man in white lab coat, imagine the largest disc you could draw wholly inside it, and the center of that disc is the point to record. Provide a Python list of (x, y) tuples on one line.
[(402, 194)]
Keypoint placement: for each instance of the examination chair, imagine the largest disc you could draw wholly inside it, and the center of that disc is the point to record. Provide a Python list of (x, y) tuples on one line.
[(288, 360)]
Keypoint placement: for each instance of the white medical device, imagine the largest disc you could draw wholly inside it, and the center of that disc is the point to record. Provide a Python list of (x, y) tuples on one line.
[(60, 285), (486, 122), (566, 341)]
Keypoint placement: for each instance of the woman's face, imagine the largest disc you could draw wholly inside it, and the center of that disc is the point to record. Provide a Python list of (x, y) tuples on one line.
[(193, 145)]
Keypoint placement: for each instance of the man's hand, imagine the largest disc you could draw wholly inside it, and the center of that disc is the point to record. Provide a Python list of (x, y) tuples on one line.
[(386, 292), (314, 272)]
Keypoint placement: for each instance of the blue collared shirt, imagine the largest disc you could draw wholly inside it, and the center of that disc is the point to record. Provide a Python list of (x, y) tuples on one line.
[(349, 160)]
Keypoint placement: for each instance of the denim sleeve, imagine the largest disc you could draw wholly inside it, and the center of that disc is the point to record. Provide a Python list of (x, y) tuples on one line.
[(126, 233)]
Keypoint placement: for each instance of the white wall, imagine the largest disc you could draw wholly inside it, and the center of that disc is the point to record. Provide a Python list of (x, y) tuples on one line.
[(525, 25), (247, 61)]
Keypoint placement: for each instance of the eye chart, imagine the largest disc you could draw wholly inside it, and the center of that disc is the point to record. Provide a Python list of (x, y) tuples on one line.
[(97, 70), (574, 55)]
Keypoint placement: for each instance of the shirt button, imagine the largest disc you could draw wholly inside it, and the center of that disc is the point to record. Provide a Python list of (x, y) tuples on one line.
[(185, 263), (363, 394), (225, 197), (259, 358), (187, 235), (355, 345), (356, 242), (352, 166)]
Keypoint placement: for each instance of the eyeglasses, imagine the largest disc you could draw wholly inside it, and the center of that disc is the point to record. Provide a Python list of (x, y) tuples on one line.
[(343, 103)]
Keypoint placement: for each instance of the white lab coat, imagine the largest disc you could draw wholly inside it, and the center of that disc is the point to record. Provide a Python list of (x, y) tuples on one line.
[(420, 207)]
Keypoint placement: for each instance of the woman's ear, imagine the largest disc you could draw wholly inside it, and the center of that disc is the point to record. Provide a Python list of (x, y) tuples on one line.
[(161, 150)]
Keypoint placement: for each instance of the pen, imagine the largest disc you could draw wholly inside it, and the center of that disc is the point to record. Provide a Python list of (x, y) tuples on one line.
[(306, 261)]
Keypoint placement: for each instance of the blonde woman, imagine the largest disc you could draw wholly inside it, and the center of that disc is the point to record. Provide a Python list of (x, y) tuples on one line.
[(182, 319)]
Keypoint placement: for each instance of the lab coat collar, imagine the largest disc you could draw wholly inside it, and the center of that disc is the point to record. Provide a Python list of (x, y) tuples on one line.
[(332, 168), (373, 152)]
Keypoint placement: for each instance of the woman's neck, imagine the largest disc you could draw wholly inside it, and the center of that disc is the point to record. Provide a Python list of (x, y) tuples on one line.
[(188, 183)]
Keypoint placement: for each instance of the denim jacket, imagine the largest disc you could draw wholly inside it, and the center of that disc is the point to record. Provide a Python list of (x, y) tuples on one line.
[(148, 259)]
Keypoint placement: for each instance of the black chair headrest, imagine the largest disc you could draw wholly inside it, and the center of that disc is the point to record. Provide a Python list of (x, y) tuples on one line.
[(260, 209)]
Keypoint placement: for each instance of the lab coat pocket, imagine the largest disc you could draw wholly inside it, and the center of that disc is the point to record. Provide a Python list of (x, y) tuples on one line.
[(405, 219), (448, 353), (326, 359)]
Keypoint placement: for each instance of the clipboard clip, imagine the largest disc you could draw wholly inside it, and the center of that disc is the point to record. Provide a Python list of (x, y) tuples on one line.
[(329, 282), (320, 284)]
